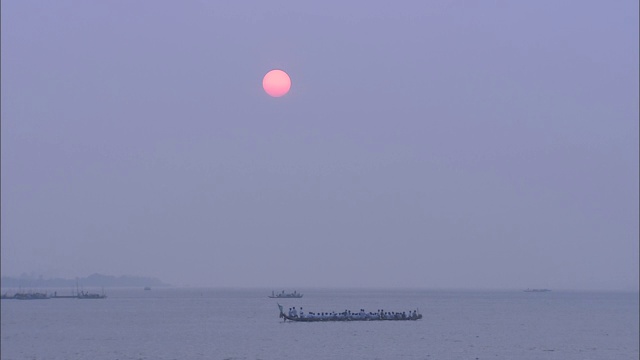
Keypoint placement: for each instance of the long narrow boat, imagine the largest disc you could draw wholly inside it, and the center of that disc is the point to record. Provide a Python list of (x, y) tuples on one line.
[(380, 315)]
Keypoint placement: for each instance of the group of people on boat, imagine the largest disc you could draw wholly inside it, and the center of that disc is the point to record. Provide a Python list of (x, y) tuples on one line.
[(380, 314)]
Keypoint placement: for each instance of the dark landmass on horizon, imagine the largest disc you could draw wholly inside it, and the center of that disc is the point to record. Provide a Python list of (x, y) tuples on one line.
[(94, 280)]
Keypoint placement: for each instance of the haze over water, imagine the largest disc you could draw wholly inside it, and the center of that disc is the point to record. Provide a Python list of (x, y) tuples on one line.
[(422, 147), (422, 144)]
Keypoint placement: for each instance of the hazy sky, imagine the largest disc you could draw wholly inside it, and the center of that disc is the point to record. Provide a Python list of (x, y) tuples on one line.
[(435, 144)]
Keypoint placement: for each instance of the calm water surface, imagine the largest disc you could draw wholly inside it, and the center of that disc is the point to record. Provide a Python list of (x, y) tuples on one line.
[(244, 324)]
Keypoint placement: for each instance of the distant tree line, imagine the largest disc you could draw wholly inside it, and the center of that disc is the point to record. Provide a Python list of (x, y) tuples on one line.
[(95, 280)]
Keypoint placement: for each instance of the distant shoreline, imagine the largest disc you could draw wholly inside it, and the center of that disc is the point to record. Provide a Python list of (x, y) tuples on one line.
[(94, 280)]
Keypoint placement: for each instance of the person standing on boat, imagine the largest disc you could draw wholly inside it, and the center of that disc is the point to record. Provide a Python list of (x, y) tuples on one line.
[(294, 312)]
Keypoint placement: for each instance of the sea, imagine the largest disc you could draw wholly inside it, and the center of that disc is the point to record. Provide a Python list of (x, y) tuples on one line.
[(193, 323)]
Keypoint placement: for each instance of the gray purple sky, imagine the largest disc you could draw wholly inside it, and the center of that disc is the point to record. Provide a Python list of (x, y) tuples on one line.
[(430, 144)]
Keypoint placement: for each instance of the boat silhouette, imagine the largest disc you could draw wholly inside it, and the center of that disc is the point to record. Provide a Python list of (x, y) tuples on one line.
[(283, 295)]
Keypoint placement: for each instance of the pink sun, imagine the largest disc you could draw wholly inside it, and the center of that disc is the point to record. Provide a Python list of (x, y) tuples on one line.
[(276, 83)]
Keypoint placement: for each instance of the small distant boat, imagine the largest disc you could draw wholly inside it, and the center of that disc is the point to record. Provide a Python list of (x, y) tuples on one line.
[(81, 294), (87, 295), (537, 290), (347, 315), (284, 295), (146, 288), (31, 296)]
